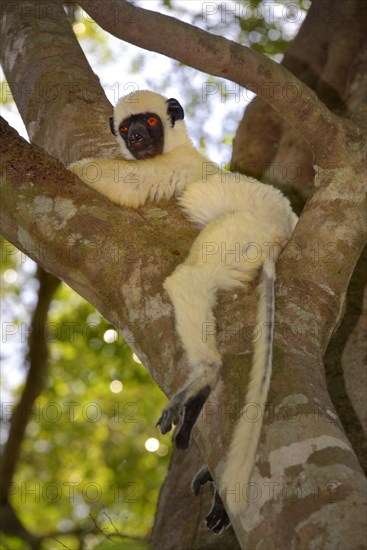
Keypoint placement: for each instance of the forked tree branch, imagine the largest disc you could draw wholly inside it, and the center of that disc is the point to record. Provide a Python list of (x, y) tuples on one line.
[(224, 58)]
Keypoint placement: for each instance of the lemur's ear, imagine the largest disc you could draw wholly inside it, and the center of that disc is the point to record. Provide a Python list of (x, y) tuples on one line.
[(111, 119), (175, 110)]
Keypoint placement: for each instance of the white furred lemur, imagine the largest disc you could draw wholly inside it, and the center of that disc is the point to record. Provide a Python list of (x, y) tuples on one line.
[(237, 213)]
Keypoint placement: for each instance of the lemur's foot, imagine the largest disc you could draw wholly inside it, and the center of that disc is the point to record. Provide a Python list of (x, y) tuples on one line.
[(184, 408), (217, 520), (202, 477)]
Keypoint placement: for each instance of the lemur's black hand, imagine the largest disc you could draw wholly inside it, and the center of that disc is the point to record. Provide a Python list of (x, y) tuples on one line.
[(192, 409), (184, 410)]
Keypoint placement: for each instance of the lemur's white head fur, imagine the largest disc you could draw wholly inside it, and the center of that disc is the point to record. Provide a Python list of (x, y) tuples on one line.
[(142, 101)]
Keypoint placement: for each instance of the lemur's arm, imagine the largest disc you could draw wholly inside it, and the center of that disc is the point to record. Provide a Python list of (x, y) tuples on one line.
[(158, 160), (132, 183)]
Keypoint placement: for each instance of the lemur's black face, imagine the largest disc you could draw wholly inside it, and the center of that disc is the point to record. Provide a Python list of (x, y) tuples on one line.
[(143, 135)]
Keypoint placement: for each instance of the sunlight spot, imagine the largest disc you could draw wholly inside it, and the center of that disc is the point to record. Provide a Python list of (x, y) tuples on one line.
[(254, 36), (75, 477), (79, 28), (94, 318), (116, 386), (10, 276), (163, 450), (152, 444), (82, 510), (110, 336), (42, 446), (65, 525), (274, 34)]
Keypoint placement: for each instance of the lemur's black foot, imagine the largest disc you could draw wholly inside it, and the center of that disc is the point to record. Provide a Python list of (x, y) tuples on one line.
[(185, 409), (217, 520), (201, 478)]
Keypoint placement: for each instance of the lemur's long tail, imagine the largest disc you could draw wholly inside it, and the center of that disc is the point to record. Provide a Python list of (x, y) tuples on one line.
[(242, 452)]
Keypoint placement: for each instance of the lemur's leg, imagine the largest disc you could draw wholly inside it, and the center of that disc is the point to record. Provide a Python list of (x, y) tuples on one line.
[(217, 519), (192, 290), (218, 260)]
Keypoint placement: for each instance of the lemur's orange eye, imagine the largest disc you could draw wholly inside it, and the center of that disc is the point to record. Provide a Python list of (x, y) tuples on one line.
[(123, 129), (152, 121)]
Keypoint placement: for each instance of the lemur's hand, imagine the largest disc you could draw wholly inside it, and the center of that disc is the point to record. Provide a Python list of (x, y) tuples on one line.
[(182, 411)]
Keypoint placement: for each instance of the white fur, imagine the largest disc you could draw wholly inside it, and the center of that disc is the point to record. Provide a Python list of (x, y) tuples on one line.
[(246, 224), (132, 183), (242, 453)]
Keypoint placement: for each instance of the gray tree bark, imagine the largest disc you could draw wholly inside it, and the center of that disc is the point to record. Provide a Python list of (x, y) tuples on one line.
[(329, 55)]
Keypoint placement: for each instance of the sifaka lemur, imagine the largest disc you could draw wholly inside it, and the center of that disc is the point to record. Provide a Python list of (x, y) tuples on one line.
[(231, 209)]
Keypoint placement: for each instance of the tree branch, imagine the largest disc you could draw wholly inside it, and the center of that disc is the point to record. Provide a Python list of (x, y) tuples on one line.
[(94, 246), (223, 58), (43, 81), (38, 357)]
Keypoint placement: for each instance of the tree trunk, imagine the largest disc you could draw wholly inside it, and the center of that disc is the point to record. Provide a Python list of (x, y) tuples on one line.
[(329, 55)]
